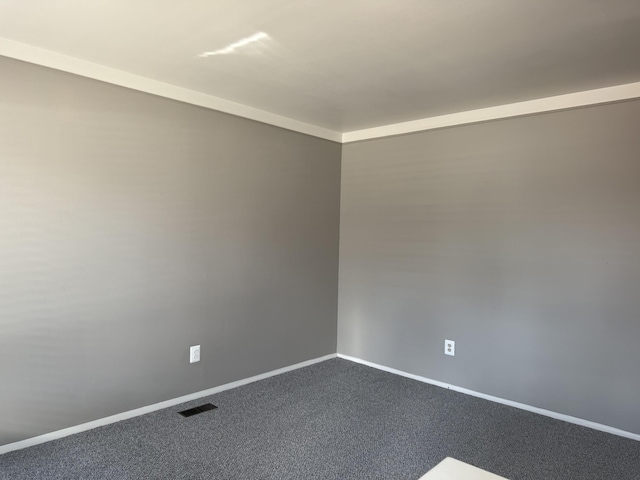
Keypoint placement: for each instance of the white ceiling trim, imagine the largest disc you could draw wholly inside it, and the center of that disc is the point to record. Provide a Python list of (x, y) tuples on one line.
[(47, 58), (561, 102)]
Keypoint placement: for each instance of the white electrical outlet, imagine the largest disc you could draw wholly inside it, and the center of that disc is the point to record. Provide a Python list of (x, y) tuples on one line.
[(450, 348), (194, 354)]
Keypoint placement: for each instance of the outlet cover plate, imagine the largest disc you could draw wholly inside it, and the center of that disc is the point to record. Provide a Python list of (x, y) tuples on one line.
[(194, 354), (450, 348)]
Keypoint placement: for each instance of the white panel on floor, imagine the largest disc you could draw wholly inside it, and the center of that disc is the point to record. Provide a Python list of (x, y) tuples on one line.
[(452, 469)]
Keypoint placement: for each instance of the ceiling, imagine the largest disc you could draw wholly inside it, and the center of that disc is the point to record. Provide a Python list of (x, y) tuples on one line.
[(346, 65)]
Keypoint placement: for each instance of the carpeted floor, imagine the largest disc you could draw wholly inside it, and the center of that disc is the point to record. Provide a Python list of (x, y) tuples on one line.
[(333, 420)]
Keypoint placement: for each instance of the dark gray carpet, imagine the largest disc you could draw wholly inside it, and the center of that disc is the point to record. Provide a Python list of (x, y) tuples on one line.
[(333, 420)]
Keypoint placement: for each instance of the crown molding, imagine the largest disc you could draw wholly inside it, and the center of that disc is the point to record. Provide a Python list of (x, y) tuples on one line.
[(66, 63), (549, 104)]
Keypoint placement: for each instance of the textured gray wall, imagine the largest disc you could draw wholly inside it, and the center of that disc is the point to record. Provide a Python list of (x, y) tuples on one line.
[(132, 227), (519, 239)]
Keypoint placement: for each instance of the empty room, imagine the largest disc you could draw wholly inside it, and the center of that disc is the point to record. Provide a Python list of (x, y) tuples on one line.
[(320, 239)]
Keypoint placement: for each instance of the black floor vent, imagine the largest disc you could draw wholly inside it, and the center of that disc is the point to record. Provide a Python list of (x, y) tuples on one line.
[(196, 410)]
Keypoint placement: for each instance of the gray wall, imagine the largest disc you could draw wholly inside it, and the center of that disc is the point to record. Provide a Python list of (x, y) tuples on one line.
[(519, 239), (132, 227)]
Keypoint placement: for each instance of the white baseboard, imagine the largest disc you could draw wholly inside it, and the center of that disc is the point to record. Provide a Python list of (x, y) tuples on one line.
[(152, 408), (521, 406), (211, 391)]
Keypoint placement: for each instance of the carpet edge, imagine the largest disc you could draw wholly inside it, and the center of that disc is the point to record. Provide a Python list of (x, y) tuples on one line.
[(83, 427)]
